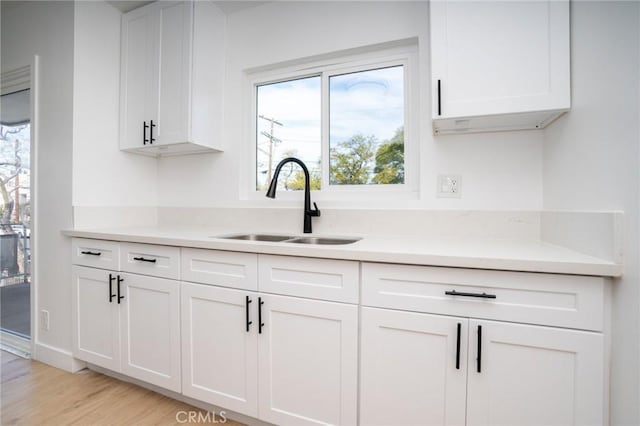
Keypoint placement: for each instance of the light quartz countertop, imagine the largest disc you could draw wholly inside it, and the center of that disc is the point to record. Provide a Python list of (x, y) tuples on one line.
[(497, 254)]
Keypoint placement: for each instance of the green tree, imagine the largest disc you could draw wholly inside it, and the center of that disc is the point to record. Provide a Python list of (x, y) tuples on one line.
[(297, 181), (351, 160), (11, 167), (292, 176), (389, 167)]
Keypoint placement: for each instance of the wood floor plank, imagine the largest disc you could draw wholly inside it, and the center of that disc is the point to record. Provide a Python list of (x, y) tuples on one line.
[(33, 393)]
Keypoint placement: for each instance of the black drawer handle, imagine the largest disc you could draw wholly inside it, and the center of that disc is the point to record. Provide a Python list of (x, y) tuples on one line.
[(111, 295), (119, 281), (479, 358), (248, 322), (458, 347), (260, 323), (439, 99), (142, 259), (151, 138), (145, 126), (91, 253), (480, 295)]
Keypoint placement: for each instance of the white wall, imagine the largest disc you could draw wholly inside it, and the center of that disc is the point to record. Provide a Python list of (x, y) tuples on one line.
[(80, 164), (499, 170), (46, 29), (102, 174), (591, 162)]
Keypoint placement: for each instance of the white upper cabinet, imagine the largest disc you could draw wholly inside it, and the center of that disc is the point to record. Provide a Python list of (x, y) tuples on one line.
[(499, 65), (172, 75)]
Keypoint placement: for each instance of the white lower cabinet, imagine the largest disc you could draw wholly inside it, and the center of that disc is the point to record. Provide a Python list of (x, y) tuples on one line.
[(285, 360), (430, 345), (308, 362), (128, 323), (414, 372), (96, 317), (219, 347), (532, 375), (150, 330), (453, 346)]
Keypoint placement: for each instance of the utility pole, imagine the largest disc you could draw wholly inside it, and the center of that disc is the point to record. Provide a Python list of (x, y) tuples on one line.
[(17, 185), (272, 141)]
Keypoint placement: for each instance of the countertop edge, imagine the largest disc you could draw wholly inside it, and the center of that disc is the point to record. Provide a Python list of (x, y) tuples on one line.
[(590, 267)]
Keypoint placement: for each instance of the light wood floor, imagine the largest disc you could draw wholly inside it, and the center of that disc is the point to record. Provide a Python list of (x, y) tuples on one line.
[(33, 393)]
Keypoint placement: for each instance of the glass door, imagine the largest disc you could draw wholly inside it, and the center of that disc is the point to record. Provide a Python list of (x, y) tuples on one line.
[(15, 214)]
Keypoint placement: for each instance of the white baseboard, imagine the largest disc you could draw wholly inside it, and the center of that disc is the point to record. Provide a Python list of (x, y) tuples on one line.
[(56, 357)]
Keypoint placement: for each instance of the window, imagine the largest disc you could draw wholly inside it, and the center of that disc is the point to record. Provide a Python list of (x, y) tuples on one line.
[(288, 126), (345, 121)]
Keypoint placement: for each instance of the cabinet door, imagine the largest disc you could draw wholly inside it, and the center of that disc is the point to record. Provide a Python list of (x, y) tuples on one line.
[(138, 53), (413, 368), (219, 347), (308, 362), (96, 332), (150, 323), (497, 57), (172, 77), (531, 375)]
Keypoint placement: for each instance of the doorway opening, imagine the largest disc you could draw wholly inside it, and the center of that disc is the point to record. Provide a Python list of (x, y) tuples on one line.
[(15, 216)]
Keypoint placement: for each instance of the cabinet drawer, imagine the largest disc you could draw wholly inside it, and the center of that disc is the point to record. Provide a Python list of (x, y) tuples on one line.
[(147, 259), (535, 298), (95, 253), (326, 279), (223, 268)]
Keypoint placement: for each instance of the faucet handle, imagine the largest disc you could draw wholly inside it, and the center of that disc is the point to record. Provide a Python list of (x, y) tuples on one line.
[(315, 211)]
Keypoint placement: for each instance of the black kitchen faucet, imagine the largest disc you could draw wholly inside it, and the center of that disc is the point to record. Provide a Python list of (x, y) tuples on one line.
[(308, 212)]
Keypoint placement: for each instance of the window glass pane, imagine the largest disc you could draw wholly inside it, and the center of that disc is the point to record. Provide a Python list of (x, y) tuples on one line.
[(288, 125), (366, 127)]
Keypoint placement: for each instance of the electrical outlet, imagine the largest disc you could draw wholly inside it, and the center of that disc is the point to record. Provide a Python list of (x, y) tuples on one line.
[(44, 320), (449, 186)]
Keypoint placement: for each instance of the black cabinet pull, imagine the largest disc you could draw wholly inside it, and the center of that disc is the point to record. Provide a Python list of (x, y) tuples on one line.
[(145, 126), (458, 347), (480, 295), (111, 295), (91, 253), (260, 323), (142, 259), (119, 281), (246, 311), (439, 100), (479, 358), (151, 139)]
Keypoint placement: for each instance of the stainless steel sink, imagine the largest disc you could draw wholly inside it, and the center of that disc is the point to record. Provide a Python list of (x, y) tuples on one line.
[(257, 237), (323, 241), (289, 239)]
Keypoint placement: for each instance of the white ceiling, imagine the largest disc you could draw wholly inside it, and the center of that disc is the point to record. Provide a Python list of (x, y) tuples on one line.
[(229, 6)]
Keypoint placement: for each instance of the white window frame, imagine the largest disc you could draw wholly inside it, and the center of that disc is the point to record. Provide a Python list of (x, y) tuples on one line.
[(405, 55)]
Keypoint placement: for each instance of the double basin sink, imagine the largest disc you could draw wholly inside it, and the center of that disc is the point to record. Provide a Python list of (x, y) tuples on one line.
[(289, 239)]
